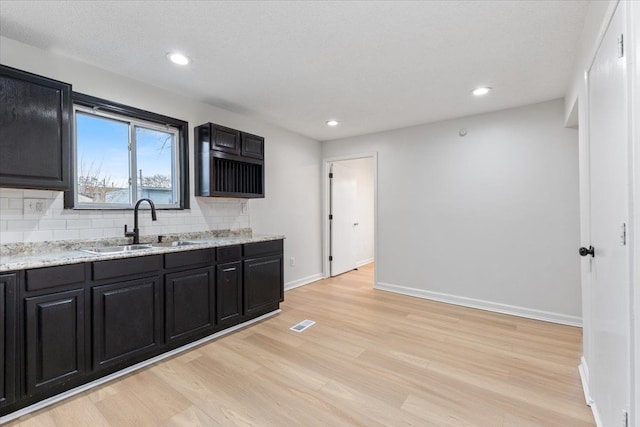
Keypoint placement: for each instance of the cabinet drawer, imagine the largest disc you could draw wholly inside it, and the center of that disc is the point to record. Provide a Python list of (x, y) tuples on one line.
[(259, 248), (229, 253), (51, 277), (126, 266), (188, 258)]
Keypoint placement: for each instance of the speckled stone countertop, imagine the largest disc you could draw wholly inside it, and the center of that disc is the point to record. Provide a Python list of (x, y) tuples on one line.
[(20, 256)]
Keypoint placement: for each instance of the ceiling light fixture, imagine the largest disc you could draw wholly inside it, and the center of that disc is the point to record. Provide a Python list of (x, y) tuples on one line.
[(481, 91), (178, 58), (332, 123)]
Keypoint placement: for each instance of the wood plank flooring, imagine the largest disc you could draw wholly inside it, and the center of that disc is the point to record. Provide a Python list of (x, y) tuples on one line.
[(372, 359)]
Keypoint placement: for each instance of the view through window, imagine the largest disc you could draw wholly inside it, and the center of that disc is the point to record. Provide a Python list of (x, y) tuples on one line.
[(120, 160)]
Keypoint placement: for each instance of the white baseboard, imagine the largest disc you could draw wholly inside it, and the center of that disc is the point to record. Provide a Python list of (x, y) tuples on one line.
[(584, 378), (100, 381), (364, 262), (301, 282), (483, 305)]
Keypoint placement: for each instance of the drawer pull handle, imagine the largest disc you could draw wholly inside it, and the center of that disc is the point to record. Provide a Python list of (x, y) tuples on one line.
[(229, 269)]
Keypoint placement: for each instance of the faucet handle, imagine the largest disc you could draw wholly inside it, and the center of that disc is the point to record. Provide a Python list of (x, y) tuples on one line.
[(128, 233)]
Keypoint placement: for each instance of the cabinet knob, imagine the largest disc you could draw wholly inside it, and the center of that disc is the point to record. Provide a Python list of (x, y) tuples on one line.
[(584, 251)]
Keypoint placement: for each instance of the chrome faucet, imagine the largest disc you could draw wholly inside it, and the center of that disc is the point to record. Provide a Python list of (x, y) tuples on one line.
[(136, 232)]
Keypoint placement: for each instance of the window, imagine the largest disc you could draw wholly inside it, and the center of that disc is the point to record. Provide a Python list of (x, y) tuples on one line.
[(123, 154)]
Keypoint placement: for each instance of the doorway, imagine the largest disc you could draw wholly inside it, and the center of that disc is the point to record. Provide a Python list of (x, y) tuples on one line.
[(349, 209)]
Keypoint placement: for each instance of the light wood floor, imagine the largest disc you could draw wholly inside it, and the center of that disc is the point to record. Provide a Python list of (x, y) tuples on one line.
[(373, 358)]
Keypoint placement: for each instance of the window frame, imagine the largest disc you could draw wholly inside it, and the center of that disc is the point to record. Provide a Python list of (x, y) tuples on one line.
[(137, 117)]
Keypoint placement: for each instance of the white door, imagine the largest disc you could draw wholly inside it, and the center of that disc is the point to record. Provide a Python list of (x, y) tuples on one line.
[(610, 280), (344, 193)]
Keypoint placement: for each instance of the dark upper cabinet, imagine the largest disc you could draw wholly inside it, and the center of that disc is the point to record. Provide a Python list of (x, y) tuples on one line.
[(229, 292), (54, 329), (190, 303), (229, 163), (35, 131), (127, 320), (7, 338)]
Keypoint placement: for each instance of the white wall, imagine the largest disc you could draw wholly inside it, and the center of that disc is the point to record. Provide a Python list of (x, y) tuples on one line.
[(363, 172), (292, 171), (489, 219)]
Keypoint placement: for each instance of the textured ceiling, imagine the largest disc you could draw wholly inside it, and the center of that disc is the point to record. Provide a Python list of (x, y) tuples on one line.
[(371, 65)]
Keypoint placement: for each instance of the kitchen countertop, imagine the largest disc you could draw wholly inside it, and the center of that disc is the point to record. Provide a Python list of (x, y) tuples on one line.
[(52, 256)]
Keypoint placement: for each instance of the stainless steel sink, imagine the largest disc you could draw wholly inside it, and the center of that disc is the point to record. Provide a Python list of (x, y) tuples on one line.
[(110, 250), (178, 243)]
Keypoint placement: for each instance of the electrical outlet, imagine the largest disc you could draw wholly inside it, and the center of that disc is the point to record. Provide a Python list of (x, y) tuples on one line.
[(35, 206), (292, 262), (245, 207)]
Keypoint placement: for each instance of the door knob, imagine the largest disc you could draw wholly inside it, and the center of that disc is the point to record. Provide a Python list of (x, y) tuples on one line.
[(584, 251)]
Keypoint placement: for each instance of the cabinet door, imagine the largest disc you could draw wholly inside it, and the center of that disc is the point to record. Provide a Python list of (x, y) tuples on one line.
[(225, 139), (55, 350), (7, 338), (229, 295), (252, 146), (34, 131), (127, 320), (190, 303), (262, 283)]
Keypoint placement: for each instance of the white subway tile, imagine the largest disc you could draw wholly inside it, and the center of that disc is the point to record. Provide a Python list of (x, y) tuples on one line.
[(22, 225), (4, 203), (7, 214), (102, 223), (52, 224), (15, 203), (11, 237), (11, 193), (38, 194), (66, 234), (38, 235), (75, 223), (91, 233)]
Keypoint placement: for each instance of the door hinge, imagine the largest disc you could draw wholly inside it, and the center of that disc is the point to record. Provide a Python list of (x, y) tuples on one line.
[(625, 418), (330, 175), (623, 235), (330, 217), (330, 258), (621, 46)]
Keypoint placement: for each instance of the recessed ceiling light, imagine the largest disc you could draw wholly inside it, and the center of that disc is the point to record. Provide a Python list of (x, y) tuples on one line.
[(481, 91), (178, 58), (332, 123)]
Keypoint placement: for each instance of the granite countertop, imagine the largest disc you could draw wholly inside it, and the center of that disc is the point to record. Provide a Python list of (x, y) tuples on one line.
[(47, 254)]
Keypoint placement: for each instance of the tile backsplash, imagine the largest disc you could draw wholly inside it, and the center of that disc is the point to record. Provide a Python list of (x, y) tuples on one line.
[(50, 221)]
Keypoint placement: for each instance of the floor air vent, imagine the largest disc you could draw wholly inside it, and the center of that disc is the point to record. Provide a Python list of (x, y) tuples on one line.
[(302, 325)]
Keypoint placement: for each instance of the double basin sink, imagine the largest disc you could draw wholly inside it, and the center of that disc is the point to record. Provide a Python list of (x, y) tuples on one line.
[(112, 250)]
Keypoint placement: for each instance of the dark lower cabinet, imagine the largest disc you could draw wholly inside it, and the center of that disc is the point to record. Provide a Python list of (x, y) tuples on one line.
[(54, 329), (78, 322), (127, 320), (229, 291), (262, 283), (7, 338), (190, 303)]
